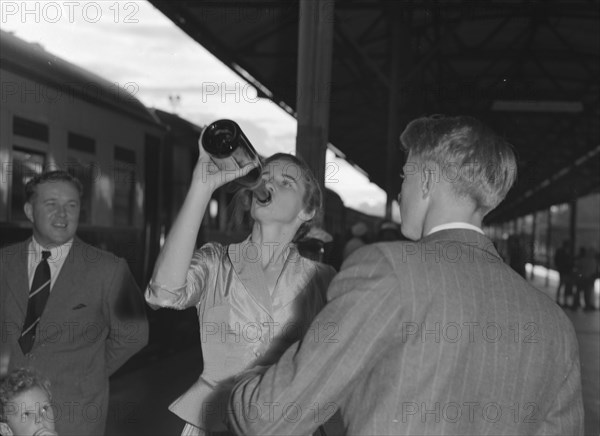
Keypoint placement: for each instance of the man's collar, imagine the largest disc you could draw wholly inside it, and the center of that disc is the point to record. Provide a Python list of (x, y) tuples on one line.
[(455, 225), (55, 251)]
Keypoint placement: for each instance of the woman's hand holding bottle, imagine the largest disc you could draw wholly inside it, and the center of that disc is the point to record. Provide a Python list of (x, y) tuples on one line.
[(208, 173)]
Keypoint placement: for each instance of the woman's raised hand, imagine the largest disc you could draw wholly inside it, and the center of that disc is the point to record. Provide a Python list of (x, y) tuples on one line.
[(207, 172)]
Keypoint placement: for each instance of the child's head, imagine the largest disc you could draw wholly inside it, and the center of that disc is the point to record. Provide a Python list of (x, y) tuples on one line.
[(25, 407)]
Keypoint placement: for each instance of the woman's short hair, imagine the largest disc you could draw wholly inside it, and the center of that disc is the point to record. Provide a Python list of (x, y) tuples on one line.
[(478, 163)]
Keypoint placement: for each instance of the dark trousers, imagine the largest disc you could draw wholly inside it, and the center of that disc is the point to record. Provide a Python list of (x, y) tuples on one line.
[(565, 284), (585, 286)]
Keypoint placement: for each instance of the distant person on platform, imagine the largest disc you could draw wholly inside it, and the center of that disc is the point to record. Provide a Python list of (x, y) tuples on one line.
[(358, 239), (435, 335), (563, 262), (388, 231), (69, 310), (586, 273)]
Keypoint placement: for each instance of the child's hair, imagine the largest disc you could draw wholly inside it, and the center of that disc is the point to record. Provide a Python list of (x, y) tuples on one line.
[(18, 381)]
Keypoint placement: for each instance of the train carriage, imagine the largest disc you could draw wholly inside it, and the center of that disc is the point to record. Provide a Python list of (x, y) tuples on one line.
[(58, 115)]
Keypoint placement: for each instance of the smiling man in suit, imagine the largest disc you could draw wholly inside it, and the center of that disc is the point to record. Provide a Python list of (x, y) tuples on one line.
[(436, 335), (69, 310)]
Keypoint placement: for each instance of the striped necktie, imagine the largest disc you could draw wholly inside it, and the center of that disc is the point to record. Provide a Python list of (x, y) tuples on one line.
[(40, 290)]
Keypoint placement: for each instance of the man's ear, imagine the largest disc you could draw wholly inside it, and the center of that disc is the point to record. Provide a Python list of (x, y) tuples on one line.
[(306, 216), (28, 208), (428, 180), (5, 429)]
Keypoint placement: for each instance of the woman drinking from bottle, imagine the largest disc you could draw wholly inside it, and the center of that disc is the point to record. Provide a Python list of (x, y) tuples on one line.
[(254, 298)]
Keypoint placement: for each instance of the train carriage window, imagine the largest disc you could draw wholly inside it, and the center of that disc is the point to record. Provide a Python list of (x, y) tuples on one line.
[(25, 165), (81, 143), (81, 163), (86, 171), (124, 181), (30, 129)]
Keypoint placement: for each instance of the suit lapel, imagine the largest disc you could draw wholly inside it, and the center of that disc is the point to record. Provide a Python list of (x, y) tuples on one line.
[(18, 282), (294, 277), (70, 278), (246, 263)]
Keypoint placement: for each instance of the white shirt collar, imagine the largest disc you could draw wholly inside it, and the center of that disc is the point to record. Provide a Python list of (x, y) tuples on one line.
[(455, 225), (58, 255), (56, 252)]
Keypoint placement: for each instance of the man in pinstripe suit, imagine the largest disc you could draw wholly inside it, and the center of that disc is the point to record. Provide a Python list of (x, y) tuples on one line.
[(435, 335)]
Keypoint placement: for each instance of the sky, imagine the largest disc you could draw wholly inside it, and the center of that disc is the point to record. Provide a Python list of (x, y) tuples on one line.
[(132, 44)]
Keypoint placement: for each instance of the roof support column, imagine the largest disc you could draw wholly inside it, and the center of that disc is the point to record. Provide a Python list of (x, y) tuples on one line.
[(532, 242), (393, 128), (315, 42), (548, 245), (399, 55), (573, 227)]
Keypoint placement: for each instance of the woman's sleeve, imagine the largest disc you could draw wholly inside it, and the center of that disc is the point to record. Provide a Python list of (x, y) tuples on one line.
[(204, 263)]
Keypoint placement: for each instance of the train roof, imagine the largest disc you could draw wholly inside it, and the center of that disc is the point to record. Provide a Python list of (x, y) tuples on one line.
[(32, 61), (177, 126)]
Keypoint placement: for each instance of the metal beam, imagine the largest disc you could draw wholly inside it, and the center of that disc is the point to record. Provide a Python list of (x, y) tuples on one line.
[(315, 44), (395, 47), (362, 56)]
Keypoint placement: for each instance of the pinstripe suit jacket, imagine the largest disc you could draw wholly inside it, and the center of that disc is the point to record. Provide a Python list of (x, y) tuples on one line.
[(93, 322), (431, 337)]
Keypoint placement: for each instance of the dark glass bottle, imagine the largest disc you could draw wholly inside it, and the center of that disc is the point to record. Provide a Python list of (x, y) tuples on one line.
[(230, 150)]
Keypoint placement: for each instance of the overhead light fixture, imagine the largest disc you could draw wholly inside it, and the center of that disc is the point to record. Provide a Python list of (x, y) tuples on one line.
[(537, 106)]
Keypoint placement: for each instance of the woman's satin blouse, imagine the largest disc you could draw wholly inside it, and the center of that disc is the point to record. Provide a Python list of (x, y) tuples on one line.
[(242, 323)]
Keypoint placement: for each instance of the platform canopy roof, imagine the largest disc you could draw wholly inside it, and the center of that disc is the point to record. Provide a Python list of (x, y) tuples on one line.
[(530, 69)]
